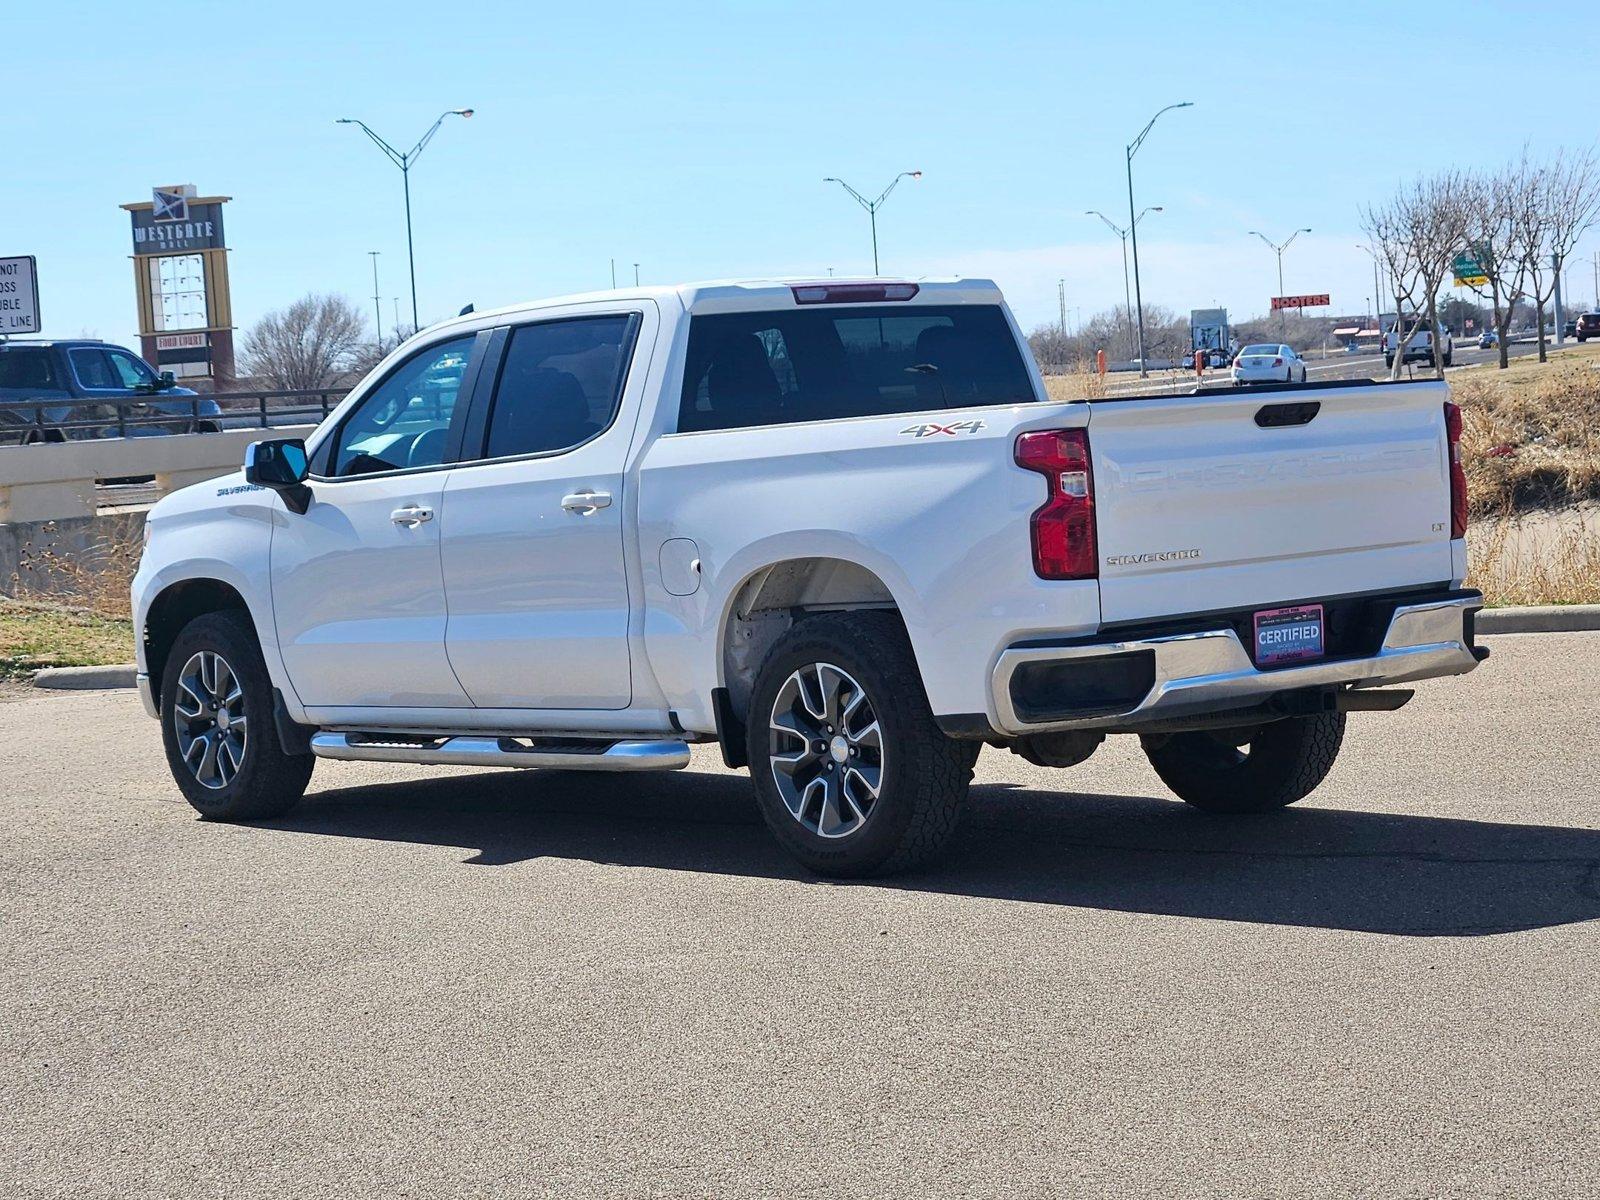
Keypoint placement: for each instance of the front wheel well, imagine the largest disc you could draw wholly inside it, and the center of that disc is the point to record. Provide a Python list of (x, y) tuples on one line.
[(175, 607)]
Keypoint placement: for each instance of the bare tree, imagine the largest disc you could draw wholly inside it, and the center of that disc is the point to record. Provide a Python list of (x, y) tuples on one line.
[(1498, 206), (1564, 205), (1418, 234), (314, 343)]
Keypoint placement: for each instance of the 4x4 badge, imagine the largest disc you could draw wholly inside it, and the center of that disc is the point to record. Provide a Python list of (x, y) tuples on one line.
[(930, 430)]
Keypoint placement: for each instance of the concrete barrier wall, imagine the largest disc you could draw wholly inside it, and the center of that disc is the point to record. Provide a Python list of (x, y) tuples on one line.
[(56, 481)]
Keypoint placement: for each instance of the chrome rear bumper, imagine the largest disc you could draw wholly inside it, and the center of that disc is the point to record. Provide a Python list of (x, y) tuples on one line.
[(1210, 670)]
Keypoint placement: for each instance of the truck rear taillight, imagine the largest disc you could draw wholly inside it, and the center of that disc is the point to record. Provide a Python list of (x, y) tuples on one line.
[(1458, 474), (852, 293), (1062, 529)]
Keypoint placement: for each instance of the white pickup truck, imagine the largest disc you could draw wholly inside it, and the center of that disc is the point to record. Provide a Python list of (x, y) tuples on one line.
[(837, 527), (1419, 344)]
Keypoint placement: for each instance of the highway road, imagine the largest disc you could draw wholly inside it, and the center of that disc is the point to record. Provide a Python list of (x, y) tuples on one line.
[(1335, 366), (501, 984)]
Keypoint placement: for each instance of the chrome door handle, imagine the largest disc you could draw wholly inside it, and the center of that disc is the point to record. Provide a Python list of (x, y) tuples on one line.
[(586, 503), (411, 515)]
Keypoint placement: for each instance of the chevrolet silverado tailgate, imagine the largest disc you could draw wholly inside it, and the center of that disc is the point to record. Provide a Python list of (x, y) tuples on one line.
[(1236, 499)]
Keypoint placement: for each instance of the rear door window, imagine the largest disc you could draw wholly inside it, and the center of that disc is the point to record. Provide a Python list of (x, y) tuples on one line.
[(559, 385), (93, 369), (774, 368)]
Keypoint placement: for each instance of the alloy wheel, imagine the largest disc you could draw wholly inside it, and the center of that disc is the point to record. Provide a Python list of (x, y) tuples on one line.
[(826, 750), (208, 716)]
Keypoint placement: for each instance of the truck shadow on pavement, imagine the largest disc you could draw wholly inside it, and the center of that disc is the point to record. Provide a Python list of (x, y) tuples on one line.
[(1308, 866)]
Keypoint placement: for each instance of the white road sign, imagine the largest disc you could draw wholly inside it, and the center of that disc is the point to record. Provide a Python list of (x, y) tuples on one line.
[(19, 296)]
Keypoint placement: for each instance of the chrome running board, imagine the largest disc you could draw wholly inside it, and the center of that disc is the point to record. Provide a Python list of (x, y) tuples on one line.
[(477, 750)]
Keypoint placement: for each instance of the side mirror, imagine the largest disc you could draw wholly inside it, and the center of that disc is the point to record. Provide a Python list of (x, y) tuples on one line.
[(282, 466), (167, 380)]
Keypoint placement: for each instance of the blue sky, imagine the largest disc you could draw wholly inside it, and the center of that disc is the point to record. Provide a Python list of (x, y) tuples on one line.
[(693, 139)]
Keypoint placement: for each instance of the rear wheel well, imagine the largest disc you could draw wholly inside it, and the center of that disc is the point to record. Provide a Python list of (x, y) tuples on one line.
[(174, 608), (773, 599)]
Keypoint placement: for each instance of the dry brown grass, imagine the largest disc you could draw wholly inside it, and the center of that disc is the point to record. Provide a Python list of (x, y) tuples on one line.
[(1083, 382), (1531, 434), (1539, 558), (95, 579)]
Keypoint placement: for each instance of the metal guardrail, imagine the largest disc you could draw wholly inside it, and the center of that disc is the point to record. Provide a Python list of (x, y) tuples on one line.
[(55, 419)]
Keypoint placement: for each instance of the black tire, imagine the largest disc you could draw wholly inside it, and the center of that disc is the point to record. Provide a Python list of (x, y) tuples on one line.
[(1250, 770), (923, 775), (266, 782), (1388, 361), (1450, 357)]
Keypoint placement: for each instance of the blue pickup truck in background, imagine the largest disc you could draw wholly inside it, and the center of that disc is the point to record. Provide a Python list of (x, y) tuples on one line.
[(57, 390)]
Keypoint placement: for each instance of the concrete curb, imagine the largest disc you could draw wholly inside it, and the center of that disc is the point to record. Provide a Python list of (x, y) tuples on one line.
[(1541, 618), (85, 678)]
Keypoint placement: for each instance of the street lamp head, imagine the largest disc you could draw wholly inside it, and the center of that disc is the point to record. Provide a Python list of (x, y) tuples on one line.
[(461, 112), (1307, 229), (1157, 208), (345, 121), (915, 174)]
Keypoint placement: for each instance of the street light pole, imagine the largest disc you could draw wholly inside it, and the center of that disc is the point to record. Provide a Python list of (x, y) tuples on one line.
[(377, 308), (1133, 226), (872, 206), (1127, 296), (1377, 289), (1278, 249), (403, 160)]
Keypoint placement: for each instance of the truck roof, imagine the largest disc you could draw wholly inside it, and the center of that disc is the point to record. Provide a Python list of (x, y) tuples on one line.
[(744, 295)]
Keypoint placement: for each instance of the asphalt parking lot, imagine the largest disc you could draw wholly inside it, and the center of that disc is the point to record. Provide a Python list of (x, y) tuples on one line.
[(553, 984)]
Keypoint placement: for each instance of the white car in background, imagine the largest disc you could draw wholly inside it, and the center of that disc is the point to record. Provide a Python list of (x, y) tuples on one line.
[(1269, 363)]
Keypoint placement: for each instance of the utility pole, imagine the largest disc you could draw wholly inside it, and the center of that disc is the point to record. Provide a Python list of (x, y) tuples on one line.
[(1556, 267), (397, 318), (613, 274), (377, 308), (635, 274), (1061, 295)]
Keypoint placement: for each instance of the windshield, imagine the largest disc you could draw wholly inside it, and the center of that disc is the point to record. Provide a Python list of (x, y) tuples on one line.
[(1258, 350)]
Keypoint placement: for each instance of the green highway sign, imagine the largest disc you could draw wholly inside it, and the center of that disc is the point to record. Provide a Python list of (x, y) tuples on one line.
[(1468, 269)]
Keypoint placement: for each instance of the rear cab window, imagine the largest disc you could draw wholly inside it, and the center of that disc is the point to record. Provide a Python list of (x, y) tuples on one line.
[(828, 363)]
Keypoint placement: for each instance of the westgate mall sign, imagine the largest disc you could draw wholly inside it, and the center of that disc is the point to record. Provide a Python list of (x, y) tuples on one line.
[(1320, 300), (200, 229)]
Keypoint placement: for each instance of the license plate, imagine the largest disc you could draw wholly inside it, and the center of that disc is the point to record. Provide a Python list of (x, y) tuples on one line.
[(1286, 635)]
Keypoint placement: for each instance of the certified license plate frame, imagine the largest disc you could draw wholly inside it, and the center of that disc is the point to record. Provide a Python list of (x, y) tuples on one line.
[(1277, 618)]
